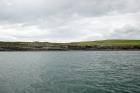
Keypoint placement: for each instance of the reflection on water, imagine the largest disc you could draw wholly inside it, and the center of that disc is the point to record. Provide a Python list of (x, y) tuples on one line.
[(70, 72)]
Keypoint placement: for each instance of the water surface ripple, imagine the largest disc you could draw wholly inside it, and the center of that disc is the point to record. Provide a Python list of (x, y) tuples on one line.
[(70, 72)]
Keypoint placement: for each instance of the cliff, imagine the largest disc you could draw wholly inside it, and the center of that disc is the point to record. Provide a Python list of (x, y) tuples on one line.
[(89, 45)]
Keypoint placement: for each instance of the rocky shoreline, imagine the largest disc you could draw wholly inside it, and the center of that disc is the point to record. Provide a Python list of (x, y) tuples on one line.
[(67, 48), (107, 45)]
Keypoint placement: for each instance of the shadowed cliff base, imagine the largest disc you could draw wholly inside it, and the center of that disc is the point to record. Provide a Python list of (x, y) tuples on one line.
[(84, 45)]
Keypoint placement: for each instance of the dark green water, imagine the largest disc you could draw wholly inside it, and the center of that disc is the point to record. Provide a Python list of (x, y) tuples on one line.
[(70, 72)]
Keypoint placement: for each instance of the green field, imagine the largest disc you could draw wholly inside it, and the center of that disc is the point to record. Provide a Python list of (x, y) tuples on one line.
[(83, 43), (109, 43)]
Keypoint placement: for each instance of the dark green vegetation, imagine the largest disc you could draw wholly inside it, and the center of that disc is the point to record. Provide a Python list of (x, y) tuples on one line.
[(89, 45)]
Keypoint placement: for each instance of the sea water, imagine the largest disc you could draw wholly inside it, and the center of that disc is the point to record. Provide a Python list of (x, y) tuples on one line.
[(70, 72)]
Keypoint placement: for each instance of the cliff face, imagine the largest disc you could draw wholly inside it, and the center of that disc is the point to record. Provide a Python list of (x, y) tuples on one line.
[(69, 47), (104, 47), (44, 46)]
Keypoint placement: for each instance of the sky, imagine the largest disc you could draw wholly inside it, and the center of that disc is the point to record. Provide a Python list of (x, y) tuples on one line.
[(69, 20)]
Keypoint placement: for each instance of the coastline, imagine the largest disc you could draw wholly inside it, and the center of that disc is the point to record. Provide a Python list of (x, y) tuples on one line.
[(103, 45), (101, 49)]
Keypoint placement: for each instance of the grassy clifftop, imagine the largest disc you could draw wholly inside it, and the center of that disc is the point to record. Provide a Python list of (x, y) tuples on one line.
[(89, 45), (83, 43), (109, 43)]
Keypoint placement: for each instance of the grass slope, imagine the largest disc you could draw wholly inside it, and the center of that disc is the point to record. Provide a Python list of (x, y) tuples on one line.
[(109, 43), (86, 43)]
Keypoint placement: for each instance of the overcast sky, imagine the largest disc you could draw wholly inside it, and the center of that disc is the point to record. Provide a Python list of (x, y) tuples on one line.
[(69, 20)]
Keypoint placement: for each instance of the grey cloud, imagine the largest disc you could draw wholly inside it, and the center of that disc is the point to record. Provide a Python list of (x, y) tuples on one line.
[(129, 30), (126, 32), (26, 11), (69, 19)]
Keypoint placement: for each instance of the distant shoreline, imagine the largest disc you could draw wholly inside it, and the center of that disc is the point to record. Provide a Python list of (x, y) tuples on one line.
[(103, 45)]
